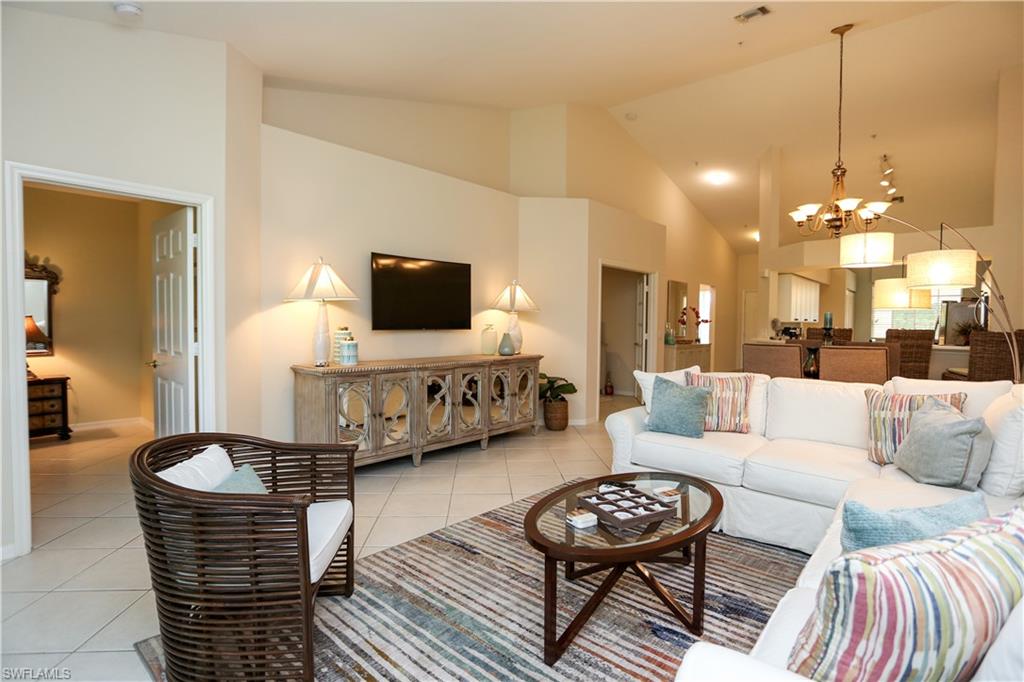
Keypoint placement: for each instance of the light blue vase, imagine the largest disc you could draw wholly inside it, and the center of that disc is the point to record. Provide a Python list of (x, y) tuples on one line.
[(506, 347)]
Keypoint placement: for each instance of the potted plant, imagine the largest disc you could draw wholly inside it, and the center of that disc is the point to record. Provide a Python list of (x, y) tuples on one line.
[(556, 408)]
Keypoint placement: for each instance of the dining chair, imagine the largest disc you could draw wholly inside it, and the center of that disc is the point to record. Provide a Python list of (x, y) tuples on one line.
[(775, 360), (854, 363), (915, 350), (838, 333)]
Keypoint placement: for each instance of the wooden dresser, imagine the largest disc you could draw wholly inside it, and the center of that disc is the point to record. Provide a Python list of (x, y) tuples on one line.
[(48, 407), (393, 408)]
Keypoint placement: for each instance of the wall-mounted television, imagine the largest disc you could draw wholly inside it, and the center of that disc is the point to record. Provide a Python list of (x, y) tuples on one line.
[(418, 293)]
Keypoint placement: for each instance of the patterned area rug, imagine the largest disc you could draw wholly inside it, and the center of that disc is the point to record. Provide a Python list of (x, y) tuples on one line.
[(465, 603)]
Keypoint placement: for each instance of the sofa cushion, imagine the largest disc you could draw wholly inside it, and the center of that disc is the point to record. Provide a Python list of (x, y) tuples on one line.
[(889, 418), (869, 597), (940, 447), (979, 393), (727, 408), (824, 411), (679, 410), (808, 471), (865, 527), (1005, 658), (646, 381), (780, 633), (717, 457), (328, 523), (1005, 420), (757, 405)]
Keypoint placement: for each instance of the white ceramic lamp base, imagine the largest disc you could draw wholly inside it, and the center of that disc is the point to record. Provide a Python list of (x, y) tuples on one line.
[(321, 338), (515, 331)]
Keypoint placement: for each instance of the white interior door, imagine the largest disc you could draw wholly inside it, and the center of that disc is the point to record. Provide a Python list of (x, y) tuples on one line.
[(174, 343), (640, 342)]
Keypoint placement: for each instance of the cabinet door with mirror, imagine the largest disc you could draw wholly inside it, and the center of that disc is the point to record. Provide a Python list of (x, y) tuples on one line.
[(525, 377), (470, 401), (437, 398), (41, 282), (394, 395), (501, 408), (354, 411)]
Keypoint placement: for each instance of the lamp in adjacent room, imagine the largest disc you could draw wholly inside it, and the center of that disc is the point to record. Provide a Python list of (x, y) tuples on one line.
[(513, 300), (321, 283), (33, 335)]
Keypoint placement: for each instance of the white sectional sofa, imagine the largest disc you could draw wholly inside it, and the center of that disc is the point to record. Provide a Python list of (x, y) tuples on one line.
[(784, 483)]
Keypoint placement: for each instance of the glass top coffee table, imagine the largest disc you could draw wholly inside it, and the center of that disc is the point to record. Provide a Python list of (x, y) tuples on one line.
[(679, 539)]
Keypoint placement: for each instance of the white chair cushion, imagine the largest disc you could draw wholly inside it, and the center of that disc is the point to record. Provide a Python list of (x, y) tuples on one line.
[(827, 550), (979, 393), (779, 635), (204, 471), (757, 403), (717, 457), (646, 381), (825, 411), (1005, 658), (328, 522), (1004, 418), (808, 471)]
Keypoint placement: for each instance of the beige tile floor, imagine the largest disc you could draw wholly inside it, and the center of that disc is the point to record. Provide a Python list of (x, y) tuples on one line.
[(81, 598)]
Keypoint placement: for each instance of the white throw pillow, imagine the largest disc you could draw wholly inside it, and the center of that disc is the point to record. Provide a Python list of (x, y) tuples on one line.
[(1005, 658), (646, 381), (1004, 475), (204, 471)]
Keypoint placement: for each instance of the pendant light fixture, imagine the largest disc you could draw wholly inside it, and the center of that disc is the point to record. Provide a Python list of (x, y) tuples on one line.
[(866, 249), (840, 213)]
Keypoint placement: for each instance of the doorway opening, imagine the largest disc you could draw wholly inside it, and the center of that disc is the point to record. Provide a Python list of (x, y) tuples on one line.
[(108, 305), (625, 337)]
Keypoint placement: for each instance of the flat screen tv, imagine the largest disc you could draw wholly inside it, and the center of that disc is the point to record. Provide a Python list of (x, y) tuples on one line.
[(416, 293)]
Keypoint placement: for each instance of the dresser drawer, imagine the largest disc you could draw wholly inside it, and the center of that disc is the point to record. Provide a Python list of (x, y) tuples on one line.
[(45, 406), (42, 421), (45, 391)]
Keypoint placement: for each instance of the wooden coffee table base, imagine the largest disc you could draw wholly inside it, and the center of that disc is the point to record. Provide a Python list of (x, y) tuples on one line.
[(555, 645)]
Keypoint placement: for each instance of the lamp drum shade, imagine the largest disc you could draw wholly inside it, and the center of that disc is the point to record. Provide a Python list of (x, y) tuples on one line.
[(893, 294), (942, 268), (321, 283), (513, 299), (866, 249)]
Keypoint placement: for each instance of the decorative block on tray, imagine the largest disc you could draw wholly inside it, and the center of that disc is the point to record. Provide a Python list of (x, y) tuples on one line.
[(626, 506)]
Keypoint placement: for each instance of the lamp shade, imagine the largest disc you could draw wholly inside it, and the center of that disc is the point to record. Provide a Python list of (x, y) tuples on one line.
[(866, 249), (513, 299), (321, 283), (33, 334), (893, 294), (942, 268)]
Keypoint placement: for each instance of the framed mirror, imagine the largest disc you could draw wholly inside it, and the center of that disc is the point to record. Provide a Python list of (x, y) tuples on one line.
[(41, 283)]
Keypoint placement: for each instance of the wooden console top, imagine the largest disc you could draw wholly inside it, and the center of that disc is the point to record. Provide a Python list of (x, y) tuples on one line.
[(399, 365)]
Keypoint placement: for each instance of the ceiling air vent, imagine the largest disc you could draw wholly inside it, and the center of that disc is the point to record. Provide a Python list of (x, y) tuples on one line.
[(752, 13)]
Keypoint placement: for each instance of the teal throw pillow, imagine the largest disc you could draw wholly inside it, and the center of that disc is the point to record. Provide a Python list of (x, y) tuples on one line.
[(865, 527), (678, 409), (244, 480), (939, 447)]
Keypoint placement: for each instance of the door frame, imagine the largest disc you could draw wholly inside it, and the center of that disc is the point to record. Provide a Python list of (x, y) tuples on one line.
[(14, 394), (653, 338)]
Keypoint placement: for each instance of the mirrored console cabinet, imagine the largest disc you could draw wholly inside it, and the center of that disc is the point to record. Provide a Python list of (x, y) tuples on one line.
[(393, 408)]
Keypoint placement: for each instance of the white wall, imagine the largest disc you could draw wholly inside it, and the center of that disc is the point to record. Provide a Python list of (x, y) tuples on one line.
[(470, 143), (322, 199)]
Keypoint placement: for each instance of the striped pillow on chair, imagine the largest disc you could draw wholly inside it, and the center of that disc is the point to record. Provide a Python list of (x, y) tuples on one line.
[(728, 403), (924, 610)]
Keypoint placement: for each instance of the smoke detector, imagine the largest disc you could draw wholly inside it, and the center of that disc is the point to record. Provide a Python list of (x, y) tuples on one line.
[(752, 13), (127, 10)]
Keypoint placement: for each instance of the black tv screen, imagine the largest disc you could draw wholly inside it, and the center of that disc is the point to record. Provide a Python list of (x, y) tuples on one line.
[(416, 293)]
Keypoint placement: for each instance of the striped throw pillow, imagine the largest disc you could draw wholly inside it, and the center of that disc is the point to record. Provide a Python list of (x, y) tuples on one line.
[(728, 403), (889, 420), (924, 610)]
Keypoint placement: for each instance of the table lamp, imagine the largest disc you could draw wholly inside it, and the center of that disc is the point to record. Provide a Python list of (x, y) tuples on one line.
[(513, 300), (321, 283), (33, 334)]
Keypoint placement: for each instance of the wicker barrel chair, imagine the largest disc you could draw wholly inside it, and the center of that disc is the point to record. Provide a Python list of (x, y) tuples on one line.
[(235, 575)]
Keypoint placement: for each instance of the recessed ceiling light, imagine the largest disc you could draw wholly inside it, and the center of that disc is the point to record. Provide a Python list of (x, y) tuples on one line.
[(718, 177), (127, 9)]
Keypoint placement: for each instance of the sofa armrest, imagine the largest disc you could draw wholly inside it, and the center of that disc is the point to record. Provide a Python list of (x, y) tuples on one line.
[(622, 427), (705, 662)]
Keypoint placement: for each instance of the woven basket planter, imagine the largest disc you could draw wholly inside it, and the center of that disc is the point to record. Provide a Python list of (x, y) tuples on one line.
[(556, 415)]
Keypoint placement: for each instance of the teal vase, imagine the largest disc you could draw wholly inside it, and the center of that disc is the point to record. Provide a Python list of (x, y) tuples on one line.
[(506, 347)]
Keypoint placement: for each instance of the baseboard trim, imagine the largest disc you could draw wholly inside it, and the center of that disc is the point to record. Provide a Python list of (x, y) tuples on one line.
[(108, 423)]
